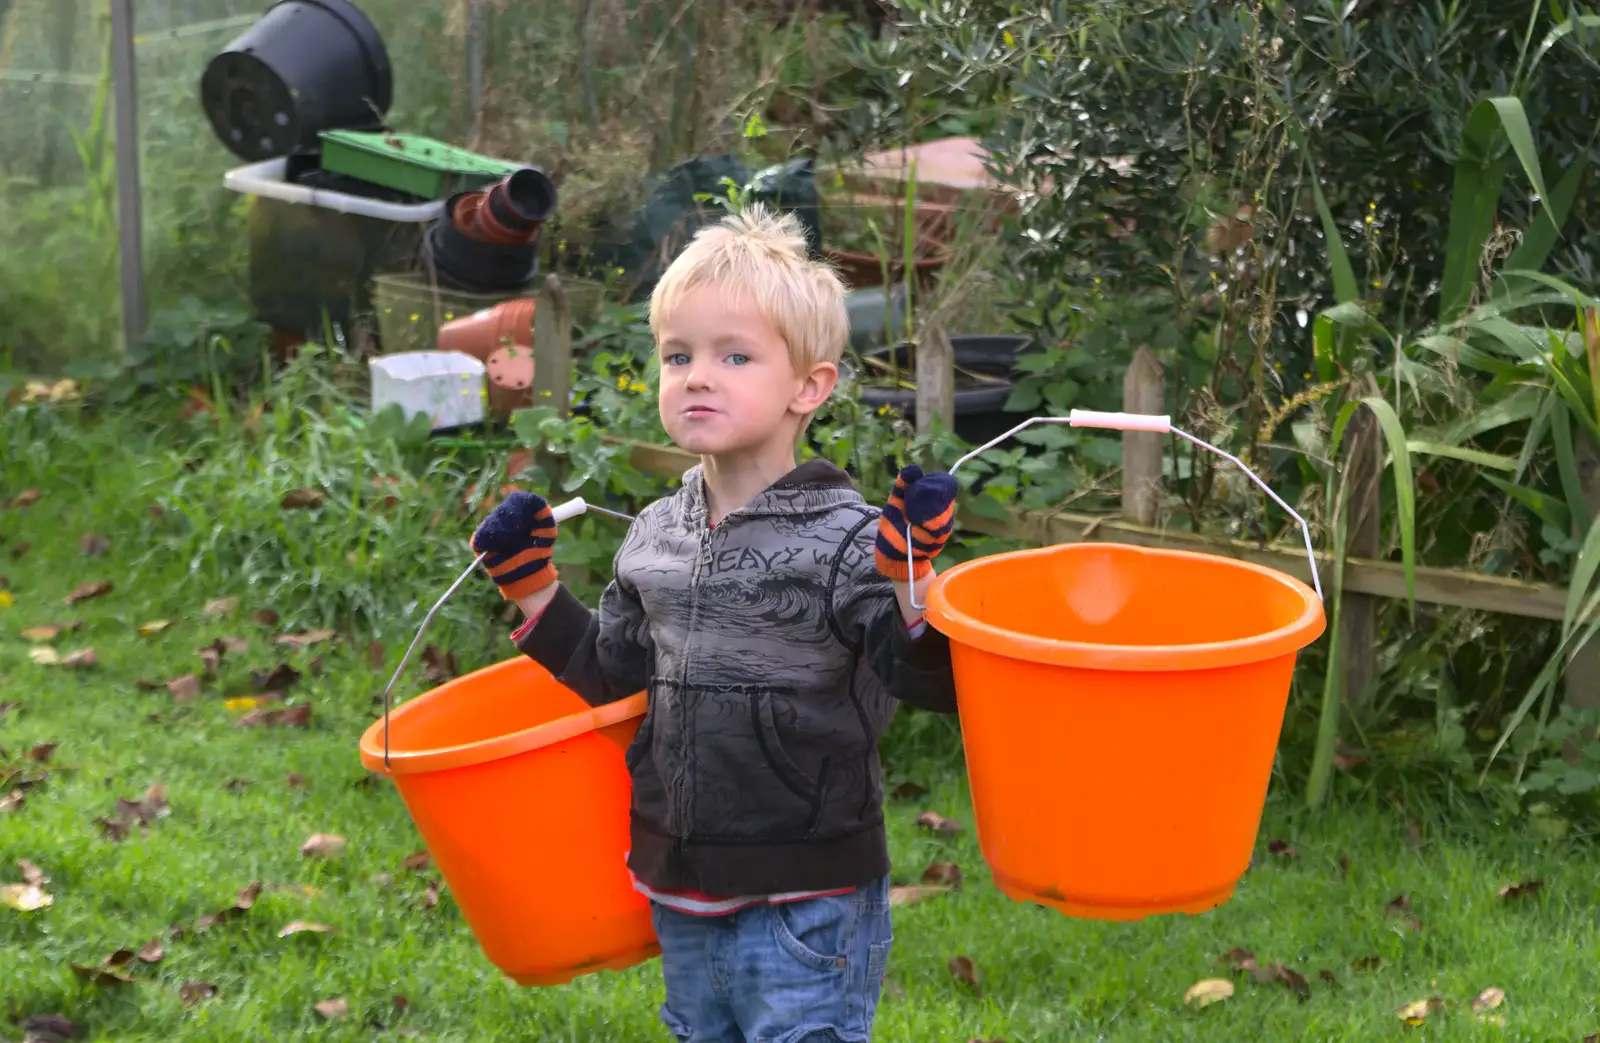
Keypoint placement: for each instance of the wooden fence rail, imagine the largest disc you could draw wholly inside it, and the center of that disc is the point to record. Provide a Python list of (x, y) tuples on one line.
[(1365, 579)]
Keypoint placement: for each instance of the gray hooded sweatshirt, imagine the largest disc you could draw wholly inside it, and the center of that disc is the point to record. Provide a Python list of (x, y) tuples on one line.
[(774, 654)]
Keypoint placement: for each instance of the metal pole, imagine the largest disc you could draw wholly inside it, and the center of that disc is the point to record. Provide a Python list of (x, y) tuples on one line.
[(130, 231), (476, 42)]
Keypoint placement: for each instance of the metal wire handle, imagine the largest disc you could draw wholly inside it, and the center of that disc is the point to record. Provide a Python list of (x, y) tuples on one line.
[(1126, 422), (570, 509)]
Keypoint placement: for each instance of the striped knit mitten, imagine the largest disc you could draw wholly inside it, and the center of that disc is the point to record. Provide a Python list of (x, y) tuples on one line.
[(928, 502), (518, 537)]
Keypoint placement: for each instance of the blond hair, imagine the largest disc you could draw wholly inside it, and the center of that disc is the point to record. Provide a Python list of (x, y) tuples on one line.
[(759, 257)]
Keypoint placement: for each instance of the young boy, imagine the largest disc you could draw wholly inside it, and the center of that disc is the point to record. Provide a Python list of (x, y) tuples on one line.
[(766, 609)]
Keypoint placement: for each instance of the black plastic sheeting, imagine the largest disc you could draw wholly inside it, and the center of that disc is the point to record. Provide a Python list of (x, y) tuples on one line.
[(644, 242)]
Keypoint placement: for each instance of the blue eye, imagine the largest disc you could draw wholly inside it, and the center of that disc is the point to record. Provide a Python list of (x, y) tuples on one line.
[(677, 358), (737, 359)]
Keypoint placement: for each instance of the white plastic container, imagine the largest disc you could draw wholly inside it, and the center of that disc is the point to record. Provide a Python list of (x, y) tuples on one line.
[(266, 179), (445, 386)]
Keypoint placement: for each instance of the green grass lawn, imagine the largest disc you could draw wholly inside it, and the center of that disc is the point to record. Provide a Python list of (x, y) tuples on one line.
[(1043, 977)]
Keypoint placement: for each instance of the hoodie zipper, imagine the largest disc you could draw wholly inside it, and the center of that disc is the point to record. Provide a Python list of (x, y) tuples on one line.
[(686, 724)]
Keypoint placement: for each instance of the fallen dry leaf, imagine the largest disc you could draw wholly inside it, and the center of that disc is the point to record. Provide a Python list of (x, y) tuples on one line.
[(417, 862), (1278, 972), (908, 791), (277, 679), (1416, 1013), (129, 813), (334, 1008), (45, 656), (323, 845), (1207, 991), (41, 753), (964, 971), (265, 617), (151, 951), (220, 607), (1238, 959), (185, 689), (1367, 963), (244, 703), (82, 659), (242, 903), (430, 895), (305, 639), (1327, 976), (25, 499), (375, 656), (49, 631), (943, 874), (155, 626), (937, 823), (7, 705), (304, 927), (31, 874), (192, 992), (87, 591), (1523, 890), (1282, 849), (93, 545), (12, 801), (911, 894), (1488, 999), (24, 897), (108, 977), (298, 716), (302, 498), (294, 780), (1398, 904)]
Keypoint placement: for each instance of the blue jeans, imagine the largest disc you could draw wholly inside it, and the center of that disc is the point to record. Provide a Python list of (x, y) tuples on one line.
[(798, 972)]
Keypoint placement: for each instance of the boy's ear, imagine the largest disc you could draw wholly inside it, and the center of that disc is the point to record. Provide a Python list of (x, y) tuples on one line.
[(815, 387)]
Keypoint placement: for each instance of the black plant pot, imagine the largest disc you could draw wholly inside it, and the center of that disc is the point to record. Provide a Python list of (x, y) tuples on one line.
[(306, 66), (463, 263), (523, 200), (980, 411)]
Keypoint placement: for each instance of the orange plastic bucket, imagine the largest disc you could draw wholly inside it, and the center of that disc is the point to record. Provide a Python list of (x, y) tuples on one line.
[(519, 790), (1120, 709)]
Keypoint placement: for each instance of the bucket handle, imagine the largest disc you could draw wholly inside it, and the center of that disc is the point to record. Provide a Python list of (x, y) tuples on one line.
[(572, 508), (1134, 422)]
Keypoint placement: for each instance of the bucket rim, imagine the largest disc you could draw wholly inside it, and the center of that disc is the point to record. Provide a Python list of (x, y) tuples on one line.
[(1288, 639), (500, 747)]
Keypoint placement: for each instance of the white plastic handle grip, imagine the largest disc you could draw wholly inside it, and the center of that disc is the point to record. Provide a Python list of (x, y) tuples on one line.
[(571, 509), (1120, 421)]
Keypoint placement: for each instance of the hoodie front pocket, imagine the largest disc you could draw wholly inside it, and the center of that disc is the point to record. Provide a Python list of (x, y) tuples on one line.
[(760, 764)]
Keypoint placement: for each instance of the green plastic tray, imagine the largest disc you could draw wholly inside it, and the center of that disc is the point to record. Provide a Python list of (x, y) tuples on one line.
[(410, 163)]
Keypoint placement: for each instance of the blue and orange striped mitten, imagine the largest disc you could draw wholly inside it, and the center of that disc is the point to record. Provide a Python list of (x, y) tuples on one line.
[(928, 502), (518, 538)]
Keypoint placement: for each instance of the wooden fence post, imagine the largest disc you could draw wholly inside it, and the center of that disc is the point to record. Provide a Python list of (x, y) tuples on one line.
[(1143, 391), (936, 379), (552, 347), (1358, 622)]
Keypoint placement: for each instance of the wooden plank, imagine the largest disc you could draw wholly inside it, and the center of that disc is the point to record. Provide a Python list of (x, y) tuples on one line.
[(1383, 579), (1143, 391), (936, 380), (1358, 613)]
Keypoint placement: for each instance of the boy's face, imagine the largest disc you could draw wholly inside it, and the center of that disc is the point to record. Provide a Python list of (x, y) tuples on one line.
[(727, 383)]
